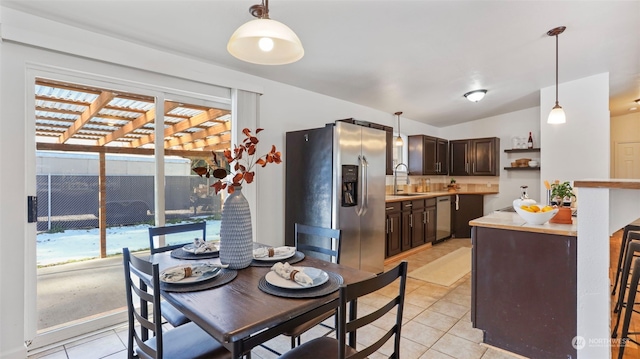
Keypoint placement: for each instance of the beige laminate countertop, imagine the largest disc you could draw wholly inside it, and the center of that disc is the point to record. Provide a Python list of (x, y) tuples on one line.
[(512, 221), (425, 195)]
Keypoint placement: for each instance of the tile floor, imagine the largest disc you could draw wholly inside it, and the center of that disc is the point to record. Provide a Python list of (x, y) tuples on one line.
[(436, 323)]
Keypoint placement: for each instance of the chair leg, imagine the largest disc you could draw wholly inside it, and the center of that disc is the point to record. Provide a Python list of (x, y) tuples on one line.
[(633, 246), (621, 257), (624, 338), (293, 342)]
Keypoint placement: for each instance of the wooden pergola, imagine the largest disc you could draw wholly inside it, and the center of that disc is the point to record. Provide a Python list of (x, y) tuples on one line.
[(76, 118)]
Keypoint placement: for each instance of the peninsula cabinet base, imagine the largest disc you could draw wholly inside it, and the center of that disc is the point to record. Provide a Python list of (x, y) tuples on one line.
[(523, 291)]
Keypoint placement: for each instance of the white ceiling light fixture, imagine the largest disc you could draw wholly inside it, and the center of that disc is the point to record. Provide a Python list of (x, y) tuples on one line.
[(475, 96), (556, 116), (265, 41), (399, 142)]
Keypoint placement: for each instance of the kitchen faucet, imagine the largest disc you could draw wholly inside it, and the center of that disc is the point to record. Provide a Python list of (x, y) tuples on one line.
[(395, 177)]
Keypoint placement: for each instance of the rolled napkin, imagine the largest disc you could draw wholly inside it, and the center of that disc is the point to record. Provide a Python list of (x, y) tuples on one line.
[(265, 252), (286, 271), (178, 273), (202, 246)]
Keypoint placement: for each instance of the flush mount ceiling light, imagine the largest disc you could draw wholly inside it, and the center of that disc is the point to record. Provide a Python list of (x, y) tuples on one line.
[(399, 142), (265, 41), (475, 96), (556, 115)]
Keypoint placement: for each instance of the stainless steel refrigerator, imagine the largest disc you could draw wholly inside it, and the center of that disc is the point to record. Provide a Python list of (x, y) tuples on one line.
[(335, 177)]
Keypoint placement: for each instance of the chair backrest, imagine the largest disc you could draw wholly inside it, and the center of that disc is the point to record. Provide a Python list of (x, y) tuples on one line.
[(178, 228), (323, 243), (141, 277), (348, 295)]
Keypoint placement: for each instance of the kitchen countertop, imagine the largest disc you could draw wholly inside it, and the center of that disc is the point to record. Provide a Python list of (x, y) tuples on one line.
[(513, 221), (425, 195)]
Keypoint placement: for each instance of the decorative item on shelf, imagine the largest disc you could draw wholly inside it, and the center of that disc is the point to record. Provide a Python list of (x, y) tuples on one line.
[(523, 162), (557, 115), (264, 41), (236, 236), (562, 193)]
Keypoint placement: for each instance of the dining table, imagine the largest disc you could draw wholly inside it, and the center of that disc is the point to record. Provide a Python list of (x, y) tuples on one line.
[(245, 311)]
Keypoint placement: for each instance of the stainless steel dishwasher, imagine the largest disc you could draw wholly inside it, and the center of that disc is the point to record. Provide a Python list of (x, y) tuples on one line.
[(443, 215)]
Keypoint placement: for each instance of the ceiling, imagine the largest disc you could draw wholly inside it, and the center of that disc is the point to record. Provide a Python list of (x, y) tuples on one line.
[(418, 57)]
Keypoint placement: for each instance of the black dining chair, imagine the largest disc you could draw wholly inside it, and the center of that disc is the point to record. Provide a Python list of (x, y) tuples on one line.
[(187, 341), (170, 313), (327, 347), (323, 243)]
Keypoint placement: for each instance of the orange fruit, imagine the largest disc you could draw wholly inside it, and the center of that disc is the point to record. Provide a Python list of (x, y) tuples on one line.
[(534, 208)]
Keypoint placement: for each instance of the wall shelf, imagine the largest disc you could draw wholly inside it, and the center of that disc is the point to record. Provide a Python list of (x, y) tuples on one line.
[(516, 150), (522, 168)]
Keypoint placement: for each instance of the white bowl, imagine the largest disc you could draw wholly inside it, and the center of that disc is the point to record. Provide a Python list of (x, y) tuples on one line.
[(533, 163), (519, 202), (536, 217)]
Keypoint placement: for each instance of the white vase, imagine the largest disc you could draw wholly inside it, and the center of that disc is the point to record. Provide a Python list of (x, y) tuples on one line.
[(236, 237)]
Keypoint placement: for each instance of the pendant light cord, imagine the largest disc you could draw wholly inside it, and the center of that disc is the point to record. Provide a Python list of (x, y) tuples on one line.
[(556, 70)]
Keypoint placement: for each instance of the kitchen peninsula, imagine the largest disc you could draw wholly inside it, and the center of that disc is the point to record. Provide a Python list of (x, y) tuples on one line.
[(524, 285)]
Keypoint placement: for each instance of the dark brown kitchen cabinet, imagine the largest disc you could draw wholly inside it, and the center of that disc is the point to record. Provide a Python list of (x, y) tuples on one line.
[(390, 143), (430, 220), (428, 155), (474, 157), (418, 223), (466, 207), (406, 219), (393, 229)]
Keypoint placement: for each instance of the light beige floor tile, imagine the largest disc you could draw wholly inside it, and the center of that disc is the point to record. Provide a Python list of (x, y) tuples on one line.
[(461, 299), (464, 330), (119, 355), (450, 309), (436, 320), (433, 354), (90, 338), (421, 333), (97, 348), (408, 349), (492, 353), (55, 353), (459, 348), (420, 300)]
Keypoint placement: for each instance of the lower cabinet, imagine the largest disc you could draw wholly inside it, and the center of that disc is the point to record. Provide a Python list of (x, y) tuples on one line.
[(409, 224), (466, 207), (393, 229)]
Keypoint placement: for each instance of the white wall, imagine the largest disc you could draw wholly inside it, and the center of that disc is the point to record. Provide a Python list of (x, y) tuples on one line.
[(505, 126), (578, 149)]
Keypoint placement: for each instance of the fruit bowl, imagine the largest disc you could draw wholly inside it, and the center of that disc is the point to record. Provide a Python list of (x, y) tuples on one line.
[(536, 217)]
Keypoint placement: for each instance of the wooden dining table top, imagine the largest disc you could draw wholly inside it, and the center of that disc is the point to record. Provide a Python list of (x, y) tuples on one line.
[(235, 311)]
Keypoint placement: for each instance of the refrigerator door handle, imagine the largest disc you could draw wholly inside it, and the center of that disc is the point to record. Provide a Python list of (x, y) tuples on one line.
[(361, 201), (365, 176)]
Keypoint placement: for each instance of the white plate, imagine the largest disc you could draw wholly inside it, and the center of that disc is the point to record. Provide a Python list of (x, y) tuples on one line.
[(275, 258), (191, 248), (318, 276), (194, 278)]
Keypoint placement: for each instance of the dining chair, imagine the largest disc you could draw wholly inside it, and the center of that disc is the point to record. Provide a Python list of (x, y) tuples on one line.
[(327, 347), (323, 243), (170, 313), (187, 341)]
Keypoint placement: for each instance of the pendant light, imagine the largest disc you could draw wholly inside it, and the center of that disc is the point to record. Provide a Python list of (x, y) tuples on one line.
[(556, 115), (264, 41), (399, 142)]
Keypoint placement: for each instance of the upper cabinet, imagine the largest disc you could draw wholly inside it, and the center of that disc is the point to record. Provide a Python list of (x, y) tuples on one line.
[(428, 155), (474, 157)]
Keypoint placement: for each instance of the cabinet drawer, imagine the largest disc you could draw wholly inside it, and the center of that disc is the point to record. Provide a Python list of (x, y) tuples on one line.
[(431, 202), (407, 205), (418, 203), (393, 207)]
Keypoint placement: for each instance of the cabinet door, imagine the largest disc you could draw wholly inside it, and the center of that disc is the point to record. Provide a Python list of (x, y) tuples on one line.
[(459, 158), (419, 227), (389, 166), (406, 222), (470, 206), (484, 157), (430, 224), (442, 156), (393, 234)]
